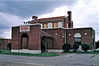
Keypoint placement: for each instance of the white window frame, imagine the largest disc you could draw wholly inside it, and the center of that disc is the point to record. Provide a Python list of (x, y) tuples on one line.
[(49, 25), (41, 26), (60, 24), (67, 25)]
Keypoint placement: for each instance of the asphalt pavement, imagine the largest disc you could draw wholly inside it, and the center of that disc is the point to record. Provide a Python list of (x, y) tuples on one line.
[(63, 60)]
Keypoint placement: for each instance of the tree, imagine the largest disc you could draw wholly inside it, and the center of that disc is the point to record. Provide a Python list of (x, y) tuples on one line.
[(85, 47), (75, 47), (9, 46)]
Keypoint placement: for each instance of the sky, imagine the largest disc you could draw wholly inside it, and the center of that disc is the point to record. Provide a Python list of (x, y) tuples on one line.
[(85, 13)]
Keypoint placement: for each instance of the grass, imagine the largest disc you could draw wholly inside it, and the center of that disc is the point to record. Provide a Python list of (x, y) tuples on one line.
[(95, 52), (4, 50), (27, 54), (7, 52)]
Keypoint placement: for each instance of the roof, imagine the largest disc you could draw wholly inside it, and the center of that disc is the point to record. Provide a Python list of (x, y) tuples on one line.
[(48, 19), (59, 17), (5, 39), (68, 28), (43, 33), (78, 28)]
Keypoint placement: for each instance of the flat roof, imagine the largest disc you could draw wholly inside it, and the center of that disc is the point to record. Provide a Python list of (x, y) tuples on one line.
[(70, 28)]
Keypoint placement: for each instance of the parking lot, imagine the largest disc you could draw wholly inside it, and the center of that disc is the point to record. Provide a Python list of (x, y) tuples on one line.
[(63, 60)]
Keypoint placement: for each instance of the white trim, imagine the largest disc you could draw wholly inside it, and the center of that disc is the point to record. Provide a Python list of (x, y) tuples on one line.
[(77, 35), (41, 26), (49, 25), (27, 51), (27, 24), (53, 28), (24, 30), (67, 25), (56, 51), (60, 25), (78, 28)]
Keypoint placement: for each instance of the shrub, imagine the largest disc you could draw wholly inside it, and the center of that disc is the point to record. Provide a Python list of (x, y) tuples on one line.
[(9, 46), (85, 47), (97, 44), (66, 47), (75, 47)]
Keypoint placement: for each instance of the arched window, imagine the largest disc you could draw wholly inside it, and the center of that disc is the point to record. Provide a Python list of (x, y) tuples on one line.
[(77, 38)]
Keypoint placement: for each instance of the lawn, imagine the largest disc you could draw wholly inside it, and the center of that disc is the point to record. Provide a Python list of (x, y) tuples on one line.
[(7, 52), (27, 54), (4, 50)]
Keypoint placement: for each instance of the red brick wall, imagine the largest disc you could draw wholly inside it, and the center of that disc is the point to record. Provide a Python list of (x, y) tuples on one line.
[(34, 41), (57, 37), (34, 37), (58, 41), (4, 44), (55, 20), (15, 38), (85, 38)]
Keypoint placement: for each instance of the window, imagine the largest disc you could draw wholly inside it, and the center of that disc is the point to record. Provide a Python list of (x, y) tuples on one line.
[(77, 35), (85, 33), (67, 25), (49, 25), (77, 38), (44, 25), (69, 34), (55, 25), (60, 24)]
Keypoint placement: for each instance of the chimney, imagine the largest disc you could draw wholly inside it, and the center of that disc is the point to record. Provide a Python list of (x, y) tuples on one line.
[(69, 15), (34, 17)]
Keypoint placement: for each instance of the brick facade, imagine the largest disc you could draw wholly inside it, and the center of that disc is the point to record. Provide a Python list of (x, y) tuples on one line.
[(50, 37), (4, 42), (34, 39), (58, 39), (85, 39)]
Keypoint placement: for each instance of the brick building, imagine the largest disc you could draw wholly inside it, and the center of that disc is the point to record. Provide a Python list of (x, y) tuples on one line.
[(49, 34), (4, 42)]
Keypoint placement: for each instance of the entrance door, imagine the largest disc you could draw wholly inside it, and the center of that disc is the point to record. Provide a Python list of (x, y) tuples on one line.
[(77, 38), (44, 44), (24, 41)]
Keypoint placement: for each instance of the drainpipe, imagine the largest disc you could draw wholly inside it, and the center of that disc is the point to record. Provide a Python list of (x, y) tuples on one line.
[(93, 42), (65, 36), (64, 30), (64, 22)]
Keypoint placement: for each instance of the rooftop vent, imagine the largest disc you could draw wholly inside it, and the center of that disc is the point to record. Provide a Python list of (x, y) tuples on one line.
[(34, 17)]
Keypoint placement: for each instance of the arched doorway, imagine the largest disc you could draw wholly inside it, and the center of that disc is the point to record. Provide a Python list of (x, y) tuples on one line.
[(44, 44), (77, 38), (24, 41)]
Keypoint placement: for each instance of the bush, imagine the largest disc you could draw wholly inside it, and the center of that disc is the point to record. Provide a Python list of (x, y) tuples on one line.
[(75, 47), (85, 47), (66, 47), (97, 44), (9, 46)]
